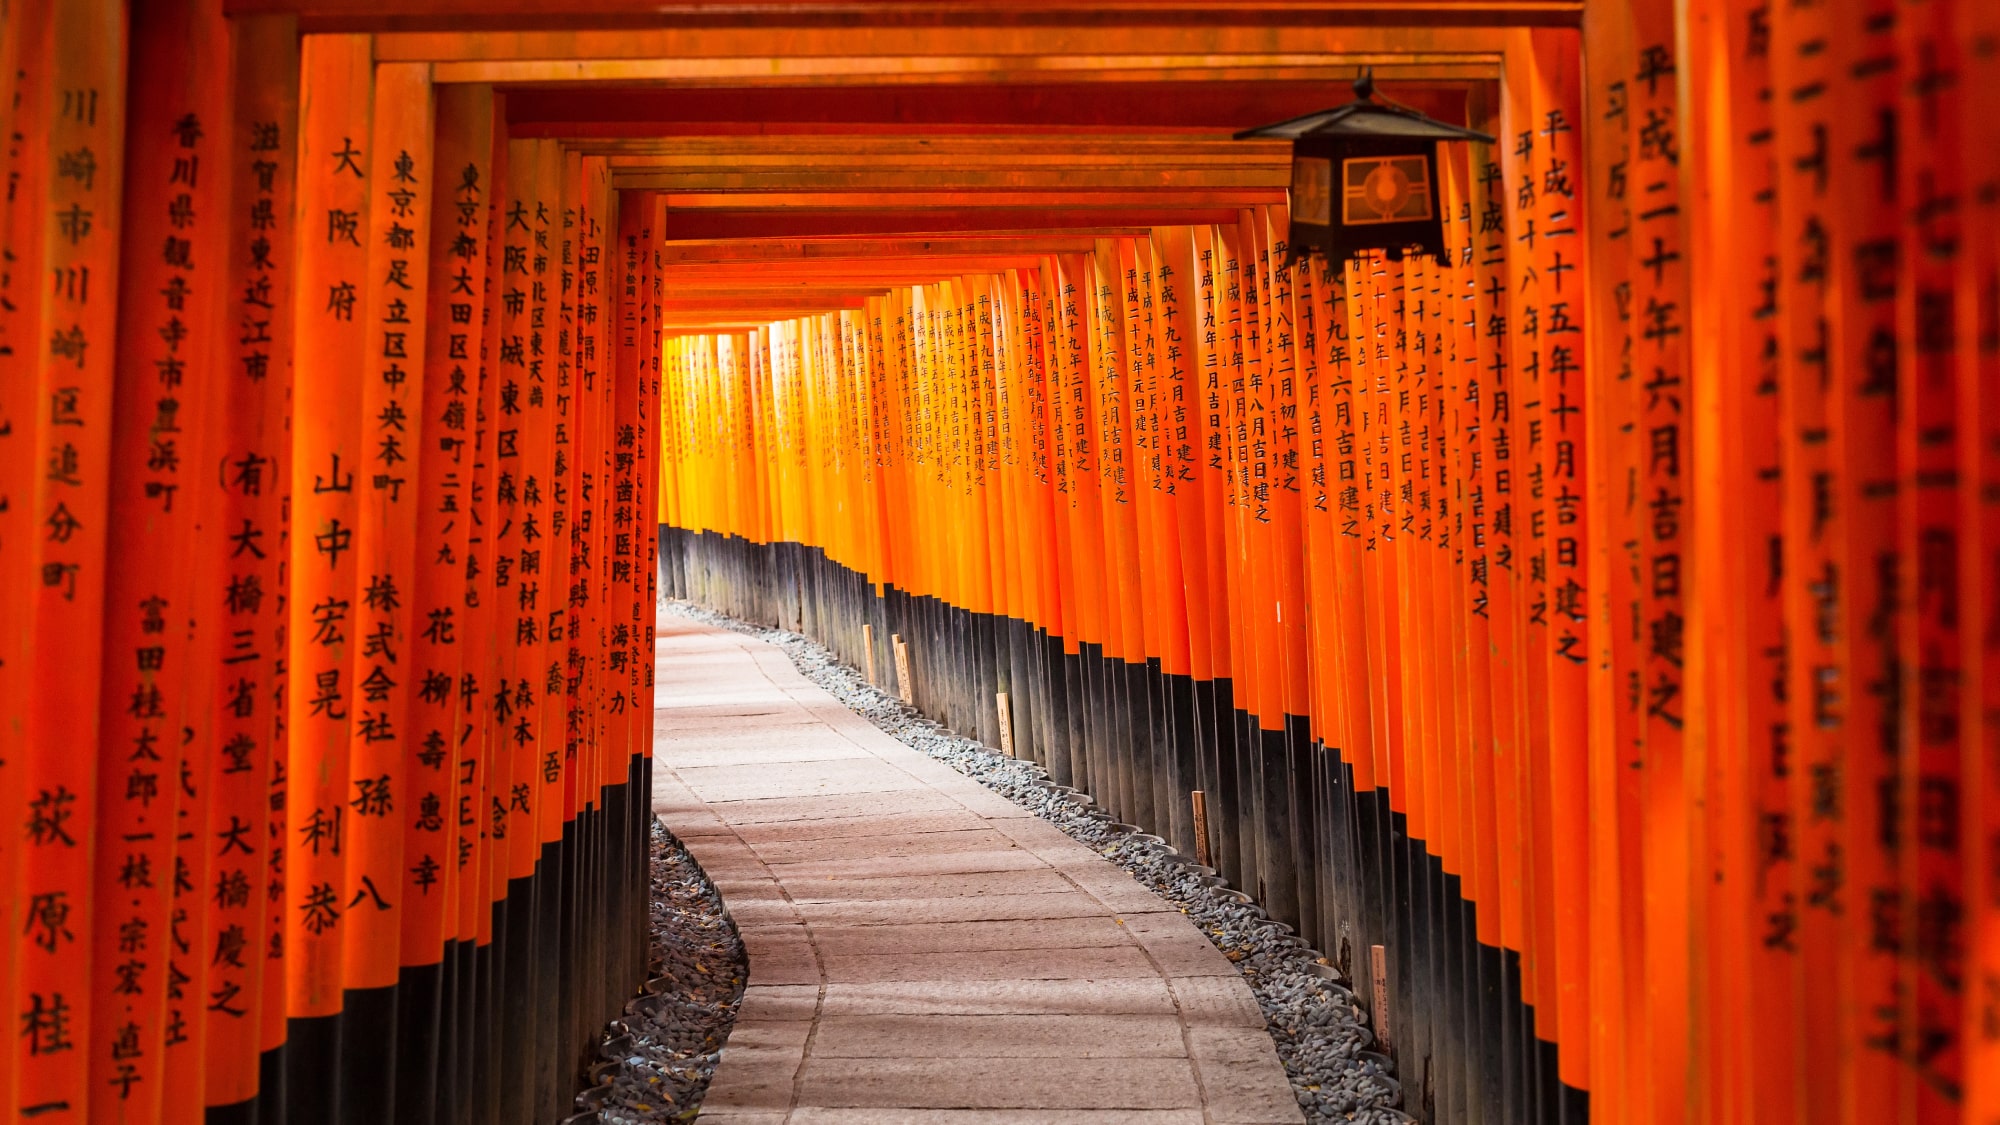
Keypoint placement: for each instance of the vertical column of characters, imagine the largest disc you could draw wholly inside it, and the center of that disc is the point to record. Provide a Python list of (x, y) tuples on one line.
[(77, 229), (558, 725), (1253, 256), (458, 198), (1407, 368), (973, 500), (1085, 453), (1288, 370), (1137, 364), (1108, 369), (396, 303), (544, 549), (520, 452), (331, 337), (647, 580), (1374, 388), (631, 293), (996, 358), (1214, 451), (1431, 445), (1979, 375), (1553, 238), (1002, 577), (1799, 839), (1347, 613), (24, 106), (1736, 391), (1169, 477), (1524, 102), (146, 931), (1180, 442), (1787, 553), (1464, 410), (274, 252), (564, 617), (1854, 351), (240, 564), (1489, 536), (1660, 301), (1358, 521), (1931, 435), (587, 587), (1229, 348), (1052, 473), (592, 519), (1436, 443), (477, 757)]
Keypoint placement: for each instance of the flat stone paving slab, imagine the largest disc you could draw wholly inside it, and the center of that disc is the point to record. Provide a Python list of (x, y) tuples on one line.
[(922, 952)]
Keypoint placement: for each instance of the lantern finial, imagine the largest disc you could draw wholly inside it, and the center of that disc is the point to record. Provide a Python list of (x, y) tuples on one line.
[(1364, 84)]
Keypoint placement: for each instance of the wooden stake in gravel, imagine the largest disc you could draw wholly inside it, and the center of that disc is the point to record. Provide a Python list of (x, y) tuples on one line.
[(868, 652), (903, 687), (1378, 967), (1006, 723), (1200, 801)]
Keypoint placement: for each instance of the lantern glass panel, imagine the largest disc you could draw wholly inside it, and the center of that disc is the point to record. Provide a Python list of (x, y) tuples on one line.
[(1385, 189), (1312, 190)]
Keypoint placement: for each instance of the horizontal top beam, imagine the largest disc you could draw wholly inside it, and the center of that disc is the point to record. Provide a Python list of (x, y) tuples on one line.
[(889, 222), (756, 16), (1196, 110), (907, 183), (948, 150), (776, 252), (1096, 70)]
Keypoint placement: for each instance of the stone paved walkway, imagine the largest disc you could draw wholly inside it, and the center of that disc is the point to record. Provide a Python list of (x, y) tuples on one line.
[(921, 949)]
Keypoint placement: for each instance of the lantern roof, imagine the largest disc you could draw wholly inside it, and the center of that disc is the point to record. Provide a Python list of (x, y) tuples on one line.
[(1364, 117)]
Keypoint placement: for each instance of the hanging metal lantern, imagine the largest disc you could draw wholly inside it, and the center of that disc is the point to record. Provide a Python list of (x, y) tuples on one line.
[(1364, 177)]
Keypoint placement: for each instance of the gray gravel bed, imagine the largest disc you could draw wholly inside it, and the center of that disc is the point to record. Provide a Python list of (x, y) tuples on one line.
[(656, 1061), (1314, 1020)]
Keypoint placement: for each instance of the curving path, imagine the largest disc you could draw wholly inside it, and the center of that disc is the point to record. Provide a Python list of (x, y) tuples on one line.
[(921, 949)]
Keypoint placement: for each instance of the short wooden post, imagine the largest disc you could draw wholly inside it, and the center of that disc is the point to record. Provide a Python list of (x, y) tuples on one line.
[(1006, 723), (1378, 966), (903, 687), (868, 653), (1200, 800)]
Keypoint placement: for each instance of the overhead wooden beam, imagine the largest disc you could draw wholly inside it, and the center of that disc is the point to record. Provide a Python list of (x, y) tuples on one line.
[(762, 308), (1069, 107), (927, 181), (789, 72), (536, 30), (721, 224), (882, 270), (1033, 150), (856, 248), (682, 202)]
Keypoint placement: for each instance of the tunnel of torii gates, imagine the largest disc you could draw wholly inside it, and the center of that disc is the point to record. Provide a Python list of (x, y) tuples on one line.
[(1600, 620)]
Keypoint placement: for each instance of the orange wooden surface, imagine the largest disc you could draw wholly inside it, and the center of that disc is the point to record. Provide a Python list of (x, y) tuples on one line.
[(1640, 549)]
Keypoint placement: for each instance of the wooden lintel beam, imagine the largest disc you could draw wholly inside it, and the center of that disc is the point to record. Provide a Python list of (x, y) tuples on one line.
[(813, 181), (889, 150), (1092, 70), (536, 29), (850, 248), (1191, 110), (738, 303), (679, 203), (852, 271), (884, 222)]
